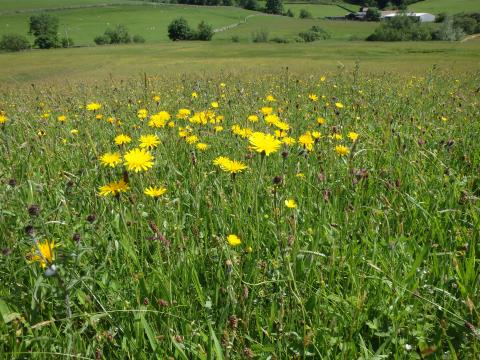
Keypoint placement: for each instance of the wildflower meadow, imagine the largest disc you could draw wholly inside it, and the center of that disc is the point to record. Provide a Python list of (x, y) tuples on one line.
[(277, 216)]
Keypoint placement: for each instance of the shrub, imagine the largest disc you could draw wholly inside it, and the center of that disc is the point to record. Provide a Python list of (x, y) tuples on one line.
[(179, 30), (66, 42), (14, 42), (315, 33), (289, 13), (235, 38), (204, 32), (280, 40), (251, 5), (260, 36), (102, 40), (45, 29), (274, 7), (468, 23), (447, 32), (373, 14), (401, 28), (119, 35), (440, 18), (138, 39), (305, 14)]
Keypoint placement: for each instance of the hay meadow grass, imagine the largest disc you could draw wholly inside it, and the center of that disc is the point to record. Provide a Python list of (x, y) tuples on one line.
[(358, 232)]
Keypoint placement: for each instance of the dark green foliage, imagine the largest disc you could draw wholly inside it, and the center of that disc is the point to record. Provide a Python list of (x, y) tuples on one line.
[(279, 40), (45, 29), (119, 35), (14, 42), (373, 14), (204, 32), (469, 23), (138, 39), (381, 4), (274, 7), (250, 4), (401, 28), (305, 14), (313, 34), (66, 42), (448, 32), (235, 38), (102, 40), (179, 30), (289, 13)]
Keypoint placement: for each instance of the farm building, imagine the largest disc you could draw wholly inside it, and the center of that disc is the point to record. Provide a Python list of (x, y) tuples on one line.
[(422, 17)]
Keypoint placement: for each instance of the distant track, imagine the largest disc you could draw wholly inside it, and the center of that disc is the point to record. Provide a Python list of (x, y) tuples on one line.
[(231, 26), (470, 37)]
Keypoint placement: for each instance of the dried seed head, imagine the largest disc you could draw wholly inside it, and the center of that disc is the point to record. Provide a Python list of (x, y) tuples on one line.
[(12, 182), (76, 237), (277, 180), (30, 230), (233, 322), (34, 210), (91, 218)]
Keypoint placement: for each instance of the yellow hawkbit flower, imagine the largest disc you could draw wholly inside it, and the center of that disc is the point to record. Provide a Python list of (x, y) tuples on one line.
[(321, 121), (111, 159), (62, 118), (113, 188), (233, 240), (154, 191), (339, 105), (266, 110), (252, 118), (149, 141), (142, 114), (122, 139), (93, 106), (352, 136), (138, 160), (43, 253), (270, 98), (313, 97), (202, 146), (290, 203), (214, 104), (156, 98), (342, 150), (194, 95), (264, 143)]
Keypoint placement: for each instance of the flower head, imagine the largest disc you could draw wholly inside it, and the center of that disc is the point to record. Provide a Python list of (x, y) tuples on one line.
[(233, 240), (264, 143), (339, 105), (138, 160), (93, 106), (342, 150), (313, 97), (142, 114), (42, 252), (290, 203), (155, 191), (122, 139), (114, 188), (111, 159), (149, 141), (352, 136)]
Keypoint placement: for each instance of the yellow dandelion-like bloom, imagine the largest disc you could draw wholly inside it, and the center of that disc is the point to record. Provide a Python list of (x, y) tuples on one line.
[(271, 119), (220, 160), (233, 240), (316, 135), (74, 131), (339, 105), (3, 119), (280, 134), (149, 141), (214, 104), (202, 146), (444, 118), (93, 106), (43, 253), (218, 128), (352, 136), (183, 113), (154, 191), (159, 120), (321, 121), (194, 95), (113, 188), (291, 204), (323, 78), (270, 98), (266, 110), (62, 118), (142, 114), (45, 115), (336, 136), (192, 139), (264, 143), (122, 139), (252, 118), (313, 97), (307, 141), (138, 160), (99, 116), (289, 141), (111, 159), (342, 150), (156, 98), (282, 125), (233, 166)]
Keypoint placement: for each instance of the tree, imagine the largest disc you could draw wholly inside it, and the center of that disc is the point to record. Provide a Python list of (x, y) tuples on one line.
[(119, 35), (372, 14), (204, 32), (305, 14), (274, 7), (14, 42), (45, 29), (179, 30)]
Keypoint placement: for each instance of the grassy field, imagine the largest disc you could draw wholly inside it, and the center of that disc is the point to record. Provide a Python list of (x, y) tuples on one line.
[(447, 6), (351, 232), (99, 63), (317, 11), (22, 5)]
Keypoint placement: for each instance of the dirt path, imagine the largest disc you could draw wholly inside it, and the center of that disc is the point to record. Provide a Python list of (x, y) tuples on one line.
[(470, 37)]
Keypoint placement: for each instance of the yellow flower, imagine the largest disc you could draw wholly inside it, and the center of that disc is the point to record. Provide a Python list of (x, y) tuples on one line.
[(270, 98), (218, 128), (3, 119), (252, 118), (443, 118), (74, 131), (114, 188), (336, 136), (339, 105), (352, 136), (342, 150), (149, 141), (321, 121), (62, 118), (290, 203), (111, 159), (122, 139), (191, 139), (42, 252), (300, 175), (138, 160), (142, 114), (156, 98), (323, 78), (264, 143), (220, 160), (266, 110), (154, 191), (233, 166), (99, 116), (159, 120), (313, 97), (233, 240), (214, 104), (194, 95), (288, 141), (171, 124), (202, 146), (307, 141), (183, 113), (93, 106)]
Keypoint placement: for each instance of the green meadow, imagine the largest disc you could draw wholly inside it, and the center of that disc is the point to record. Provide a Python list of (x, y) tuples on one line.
[(446, 6)]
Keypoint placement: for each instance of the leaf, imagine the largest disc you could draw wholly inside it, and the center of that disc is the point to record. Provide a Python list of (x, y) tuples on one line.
[(218, 347), (7, 314), (149, 332)]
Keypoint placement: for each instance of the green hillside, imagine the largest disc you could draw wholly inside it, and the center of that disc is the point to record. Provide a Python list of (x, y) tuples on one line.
[(447, 6)]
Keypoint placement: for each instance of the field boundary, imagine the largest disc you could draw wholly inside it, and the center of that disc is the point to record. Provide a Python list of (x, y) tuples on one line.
[(245, 20)]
